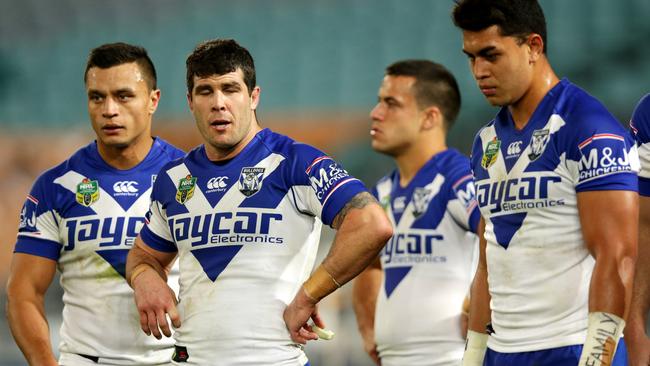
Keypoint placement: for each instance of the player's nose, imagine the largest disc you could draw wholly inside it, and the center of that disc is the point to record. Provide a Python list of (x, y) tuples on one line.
[(219, 101), (377, 113), (110, 108)]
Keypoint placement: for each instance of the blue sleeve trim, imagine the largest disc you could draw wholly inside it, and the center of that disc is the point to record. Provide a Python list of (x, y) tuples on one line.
[(615, 182), (644, 186), (343, 195), (38, 247), (156, 242)]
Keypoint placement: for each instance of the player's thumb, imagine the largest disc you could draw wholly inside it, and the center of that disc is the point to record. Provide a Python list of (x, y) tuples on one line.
[(315, 316)]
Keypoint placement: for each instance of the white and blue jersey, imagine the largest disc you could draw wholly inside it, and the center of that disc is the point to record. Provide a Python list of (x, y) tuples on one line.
[(539, 268), (85, 215), (246, 231), (640, 126), (428, 264)]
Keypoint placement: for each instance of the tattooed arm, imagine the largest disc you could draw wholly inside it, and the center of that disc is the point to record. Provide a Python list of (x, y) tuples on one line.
[(363, 229)]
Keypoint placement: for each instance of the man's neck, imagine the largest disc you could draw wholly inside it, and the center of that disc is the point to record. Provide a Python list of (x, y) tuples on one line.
[(411, 161), (219, 154), (524, 108), (124, 158)]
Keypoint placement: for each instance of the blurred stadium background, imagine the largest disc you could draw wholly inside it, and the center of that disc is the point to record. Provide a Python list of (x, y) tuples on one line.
[(319, 64)]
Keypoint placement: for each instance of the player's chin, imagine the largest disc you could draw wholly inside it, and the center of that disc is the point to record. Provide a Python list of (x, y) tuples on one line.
[(222, 142), (377, 145), (493, 101), (498, 101), (116, 141), (382, 148)]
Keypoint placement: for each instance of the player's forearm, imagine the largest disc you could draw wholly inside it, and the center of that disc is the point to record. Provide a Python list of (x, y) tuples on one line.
[(610, 290), (479, 299), (139, 258), (609, 297), (641, 291), (30, 330), (359, 239), (479, 302), (610, 229), (364, 300), (640, 304)]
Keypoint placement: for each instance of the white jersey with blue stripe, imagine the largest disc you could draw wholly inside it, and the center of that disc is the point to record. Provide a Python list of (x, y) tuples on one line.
[(428, 264), (539, 268), (85, 215), (246, 231), (640, 126)]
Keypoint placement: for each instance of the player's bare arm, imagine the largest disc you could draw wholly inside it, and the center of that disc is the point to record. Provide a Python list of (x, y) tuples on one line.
[(611, 237), (364, 300), (146, 273), (479, 307), (29, 278), (361, 200), (363, 229), (636, 338)]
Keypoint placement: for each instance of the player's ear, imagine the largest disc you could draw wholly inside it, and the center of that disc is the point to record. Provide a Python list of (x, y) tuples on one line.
[(189, 101), (154, 98), (536, 47), (432, 118), (255, 97)]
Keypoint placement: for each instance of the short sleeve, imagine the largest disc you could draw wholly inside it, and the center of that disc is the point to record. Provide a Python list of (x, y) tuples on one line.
[(322, 186), (463, 206), (156, 233), (38, 230), (603, 153)]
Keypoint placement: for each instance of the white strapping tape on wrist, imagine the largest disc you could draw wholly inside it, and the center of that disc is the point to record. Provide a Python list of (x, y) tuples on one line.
[(475, 348), (603, 332)]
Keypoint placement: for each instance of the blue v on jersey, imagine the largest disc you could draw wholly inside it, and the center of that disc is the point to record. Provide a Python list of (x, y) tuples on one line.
[(527, 181), (246, 231), (428, 264), (85, 215), (640, 126)]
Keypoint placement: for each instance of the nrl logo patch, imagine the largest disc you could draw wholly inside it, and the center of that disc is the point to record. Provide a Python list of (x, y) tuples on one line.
[(385, 203), (87, 192), (421, 199), (538, 143), (491, 153), (250, 180), (186, 188)]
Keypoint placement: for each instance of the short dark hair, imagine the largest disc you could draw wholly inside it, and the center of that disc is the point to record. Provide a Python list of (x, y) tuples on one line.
[(517, 18), (434, 85), (114, 54), (218, 57)]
